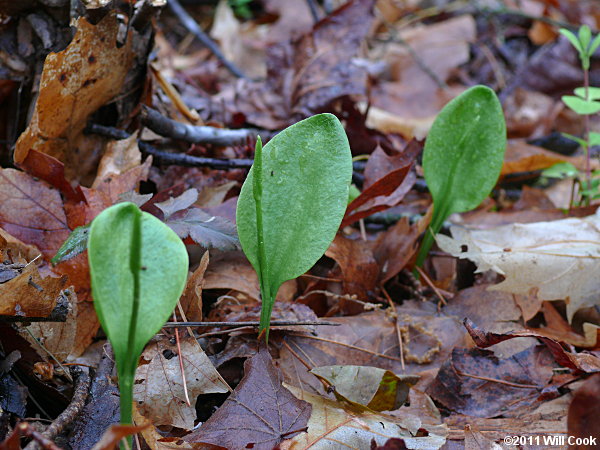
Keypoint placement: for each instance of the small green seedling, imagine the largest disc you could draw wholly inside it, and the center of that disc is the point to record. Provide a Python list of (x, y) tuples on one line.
[(585, 102), (138, 268), (293, 201), (463, 156)]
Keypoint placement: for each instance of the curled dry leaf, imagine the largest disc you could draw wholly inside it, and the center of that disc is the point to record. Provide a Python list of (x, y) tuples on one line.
[(549, 260), (158, 389), (579, 362), (112, 437), (259, 414), (476, 383), (371, 387), (331, 425), (191, 299), (387, 180), (58, 338), (74, 84)]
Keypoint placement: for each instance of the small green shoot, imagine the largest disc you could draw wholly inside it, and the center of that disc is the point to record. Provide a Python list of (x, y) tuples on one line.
[(463, 156), (138, 269), (585, 102), (293, 201)]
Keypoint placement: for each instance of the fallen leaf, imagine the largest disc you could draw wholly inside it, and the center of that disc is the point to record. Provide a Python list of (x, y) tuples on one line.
[(409, 102), (583, 414), (579, 362), (74, 84), (522, 157), (58, 338), (476, 383), (32, 212), (551, 260), (112, 437), (159, 389), (260, 412), (333, 426), (359, 268), (387, 181), (179, 203), (305, 76), (205, 229), (371, 387), (371, 339), (119, 157), (191, 299), (29, 295)]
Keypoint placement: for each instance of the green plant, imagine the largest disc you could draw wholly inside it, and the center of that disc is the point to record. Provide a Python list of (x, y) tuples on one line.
[(293, 201), (241, 8), (585, 102), (138, 269), (463, 156)]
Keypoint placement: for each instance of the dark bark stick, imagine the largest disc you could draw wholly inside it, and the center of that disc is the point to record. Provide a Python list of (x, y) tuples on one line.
[(193, 27), (180, 159), (194, 134), (82, 387)]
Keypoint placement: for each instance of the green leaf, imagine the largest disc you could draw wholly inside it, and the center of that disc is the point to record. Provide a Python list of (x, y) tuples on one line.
[(581, 106), (585, 36), (463, 156), (594, 45), (305, 173), (593, 93), (138, 270), (594, 138), (75, 244), (561, 170), (572, 39)]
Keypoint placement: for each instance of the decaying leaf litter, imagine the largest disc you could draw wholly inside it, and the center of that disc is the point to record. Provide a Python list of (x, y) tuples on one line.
[(130, 104)]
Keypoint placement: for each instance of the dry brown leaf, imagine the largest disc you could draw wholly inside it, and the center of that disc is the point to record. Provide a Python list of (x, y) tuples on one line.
[(158, 389), (58, 338), (371, 339), (191, 299), (332, 426), (30, 295), (119, 157), (32, 212), (259, 414), (359, 268), (409, 103), (74, 84), (522, 157), (231, 270)]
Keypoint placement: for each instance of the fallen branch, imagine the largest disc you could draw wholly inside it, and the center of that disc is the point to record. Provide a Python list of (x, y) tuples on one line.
[(82, 387), (191, 133), (180, 159), (193, 27)]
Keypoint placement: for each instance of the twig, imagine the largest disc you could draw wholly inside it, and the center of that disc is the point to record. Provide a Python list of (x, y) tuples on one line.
[(495, 380), (397, 326), (431, 285), (182, 159), (313, 10), (174, 96), (179, 159), (249, 323), (193, 27), (194, 134), (181, 368), (82, 387)]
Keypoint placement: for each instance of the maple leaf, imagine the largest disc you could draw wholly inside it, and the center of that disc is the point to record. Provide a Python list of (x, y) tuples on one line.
[(259, 414)]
